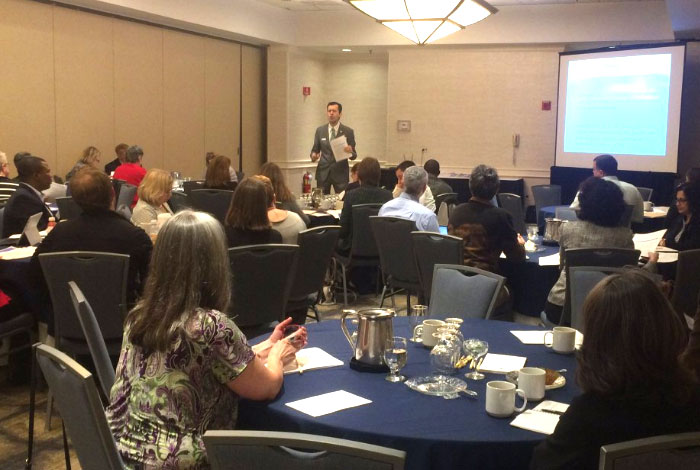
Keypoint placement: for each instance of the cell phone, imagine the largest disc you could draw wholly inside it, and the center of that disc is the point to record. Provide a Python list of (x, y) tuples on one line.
[(291, 332)]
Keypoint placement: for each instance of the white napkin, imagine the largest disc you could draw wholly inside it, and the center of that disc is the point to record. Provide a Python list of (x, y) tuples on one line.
[(537, 337), (312, 358), (550, 260), (543, 418), (501, 363), (328, 403)]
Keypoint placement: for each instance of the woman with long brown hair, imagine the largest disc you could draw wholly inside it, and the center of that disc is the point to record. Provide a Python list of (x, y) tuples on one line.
[(184, 362), (246, 221), (218, 175), (284, 198), (629, 371)]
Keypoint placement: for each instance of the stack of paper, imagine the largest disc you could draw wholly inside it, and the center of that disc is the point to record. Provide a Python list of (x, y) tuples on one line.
[(537, 337), (17, 253), (501, 363), (312, 358), (328, 403), (543, 418)]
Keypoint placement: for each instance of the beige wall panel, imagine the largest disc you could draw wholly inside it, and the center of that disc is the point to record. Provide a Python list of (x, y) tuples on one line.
[(138, 90), (27, 116), (253, 105), (84, 58), (223, 98), (183, 102)]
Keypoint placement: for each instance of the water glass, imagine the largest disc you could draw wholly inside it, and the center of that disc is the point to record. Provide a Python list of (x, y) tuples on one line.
[(416, 317), (395, 356), (477, 349)]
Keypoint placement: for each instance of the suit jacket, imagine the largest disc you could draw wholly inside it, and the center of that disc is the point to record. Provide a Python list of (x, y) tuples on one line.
[(328, 168), (23, 204), (362, 195)]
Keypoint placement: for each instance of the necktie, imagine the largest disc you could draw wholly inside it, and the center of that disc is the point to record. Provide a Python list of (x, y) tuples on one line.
[(332, 133)]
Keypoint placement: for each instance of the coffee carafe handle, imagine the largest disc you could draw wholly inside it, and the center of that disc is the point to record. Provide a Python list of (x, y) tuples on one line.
[(343, 326)]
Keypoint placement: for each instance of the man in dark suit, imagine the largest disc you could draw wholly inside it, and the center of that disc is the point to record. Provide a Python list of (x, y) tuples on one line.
[(331, 171), (27, 200), (120, 150)]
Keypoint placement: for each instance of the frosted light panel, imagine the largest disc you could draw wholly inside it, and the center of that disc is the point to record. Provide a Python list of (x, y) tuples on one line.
[(469, 13), (383, 9), (445, 30), (404, 28), (422, 9)]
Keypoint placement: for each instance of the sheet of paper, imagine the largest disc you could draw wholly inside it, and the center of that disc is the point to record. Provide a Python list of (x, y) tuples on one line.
[(312, 358), (537, 337), (328, 403), (334, 212), (646, 242), (550, 260), (18, 253), (501, 363), (538, 420), (338, 146)]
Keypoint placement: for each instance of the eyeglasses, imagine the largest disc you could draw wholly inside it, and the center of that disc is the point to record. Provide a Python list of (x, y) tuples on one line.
[(681, 200)]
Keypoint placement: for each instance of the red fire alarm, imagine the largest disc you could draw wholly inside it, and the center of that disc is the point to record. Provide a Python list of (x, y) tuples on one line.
[(306, 91), (546, 106)]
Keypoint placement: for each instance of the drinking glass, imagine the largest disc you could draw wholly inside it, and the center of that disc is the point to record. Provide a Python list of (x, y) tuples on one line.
[(418, 314), (477, 349), (395, 356), (532, 232), (444, 357)]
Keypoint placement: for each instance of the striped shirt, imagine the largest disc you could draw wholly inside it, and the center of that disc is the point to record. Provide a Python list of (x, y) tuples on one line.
[(7, 189)]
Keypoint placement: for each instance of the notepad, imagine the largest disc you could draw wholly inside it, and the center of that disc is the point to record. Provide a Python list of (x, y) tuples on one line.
[(327, 403), (501, 363), (542, 419), (312, 358)]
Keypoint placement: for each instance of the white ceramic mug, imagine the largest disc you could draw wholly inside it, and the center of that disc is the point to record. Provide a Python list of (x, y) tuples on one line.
[(426, 330), (500, 399), (563, 339), (648, 206), (531, 380)]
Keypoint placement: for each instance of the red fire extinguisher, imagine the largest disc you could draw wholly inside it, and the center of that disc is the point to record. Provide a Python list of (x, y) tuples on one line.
[(306, 183)]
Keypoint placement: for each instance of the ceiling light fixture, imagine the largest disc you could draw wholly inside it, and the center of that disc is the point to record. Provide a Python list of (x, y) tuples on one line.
[(425, 21), (346, 50)]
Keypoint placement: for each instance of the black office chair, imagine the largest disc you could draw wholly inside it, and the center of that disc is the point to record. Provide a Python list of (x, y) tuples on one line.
[(126, 195), (687, 282), (214, 201), (67, 208), (262, 281), (178, 201), (393, 237), (430, 249), (363, 250), (513, 204), (316, 247), (545, 195), (189, 186), (447, 198), (668, 452)]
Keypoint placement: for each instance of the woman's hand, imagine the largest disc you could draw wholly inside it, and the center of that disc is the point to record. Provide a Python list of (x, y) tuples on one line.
[(662, 242), (653, 257), (521, 240), (282, 350), (278, 332)]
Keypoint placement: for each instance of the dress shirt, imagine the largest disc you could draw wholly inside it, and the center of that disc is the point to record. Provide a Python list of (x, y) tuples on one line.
[(7, 189), (330, 130), (408, 207), (425, 199), (629, 193)]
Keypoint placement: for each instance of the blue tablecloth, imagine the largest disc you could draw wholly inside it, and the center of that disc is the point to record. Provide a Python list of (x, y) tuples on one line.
[(435, 433), (529, 282)]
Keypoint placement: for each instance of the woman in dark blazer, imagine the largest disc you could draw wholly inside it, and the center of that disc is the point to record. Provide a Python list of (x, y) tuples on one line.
[(684, 230), (246, 221)]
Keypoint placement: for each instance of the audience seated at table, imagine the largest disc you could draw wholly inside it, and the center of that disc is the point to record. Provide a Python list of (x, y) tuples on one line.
[(601, 206), (354, 180), (7, 186), (218, 175), (154, 192), (90, 158), (284, 197), (287, 223), (131, 170), (27, 200), (209, 156), (184, 363), (436, 185), (692, 175), (425, 199), (415, 183), (684, 230), (605, 167), (120, 151), (633, 382), (246, 221), (98, 228), (368, 173)]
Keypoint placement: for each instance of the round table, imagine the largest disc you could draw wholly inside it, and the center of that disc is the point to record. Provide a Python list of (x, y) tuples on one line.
[(435, 433), (529, 282)]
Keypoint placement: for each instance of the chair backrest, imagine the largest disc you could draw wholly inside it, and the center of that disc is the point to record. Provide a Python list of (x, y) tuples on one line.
[(687, 283), (93, 334), (178, 201), (600, 257), (214, 201), (447, 198), (189, 186), (393, 236), (316, 246), (363, 244), (75, 393), (565, 213), (645, 193), (545, 195), (67, 208), (101, 276), (513, 204), (443, 214), (126, 194), (463, 291), (269, 449), (669, 452), (116, 184), (262, 280), (583, 280), (430, 249)]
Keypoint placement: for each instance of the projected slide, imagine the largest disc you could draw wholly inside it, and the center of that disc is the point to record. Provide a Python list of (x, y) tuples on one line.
[(618, 105)]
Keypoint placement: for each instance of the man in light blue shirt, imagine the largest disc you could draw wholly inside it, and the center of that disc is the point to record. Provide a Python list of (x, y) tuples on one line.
[(406, 205)]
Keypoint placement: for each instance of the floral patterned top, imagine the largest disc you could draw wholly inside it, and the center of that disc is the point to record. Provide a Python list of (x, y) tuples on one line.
[(161, 404)]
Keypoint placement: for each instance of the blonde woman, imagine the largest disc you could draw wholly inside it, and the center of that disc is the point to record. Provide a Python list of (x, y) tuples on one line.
[(154, 192), (91, 157)]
